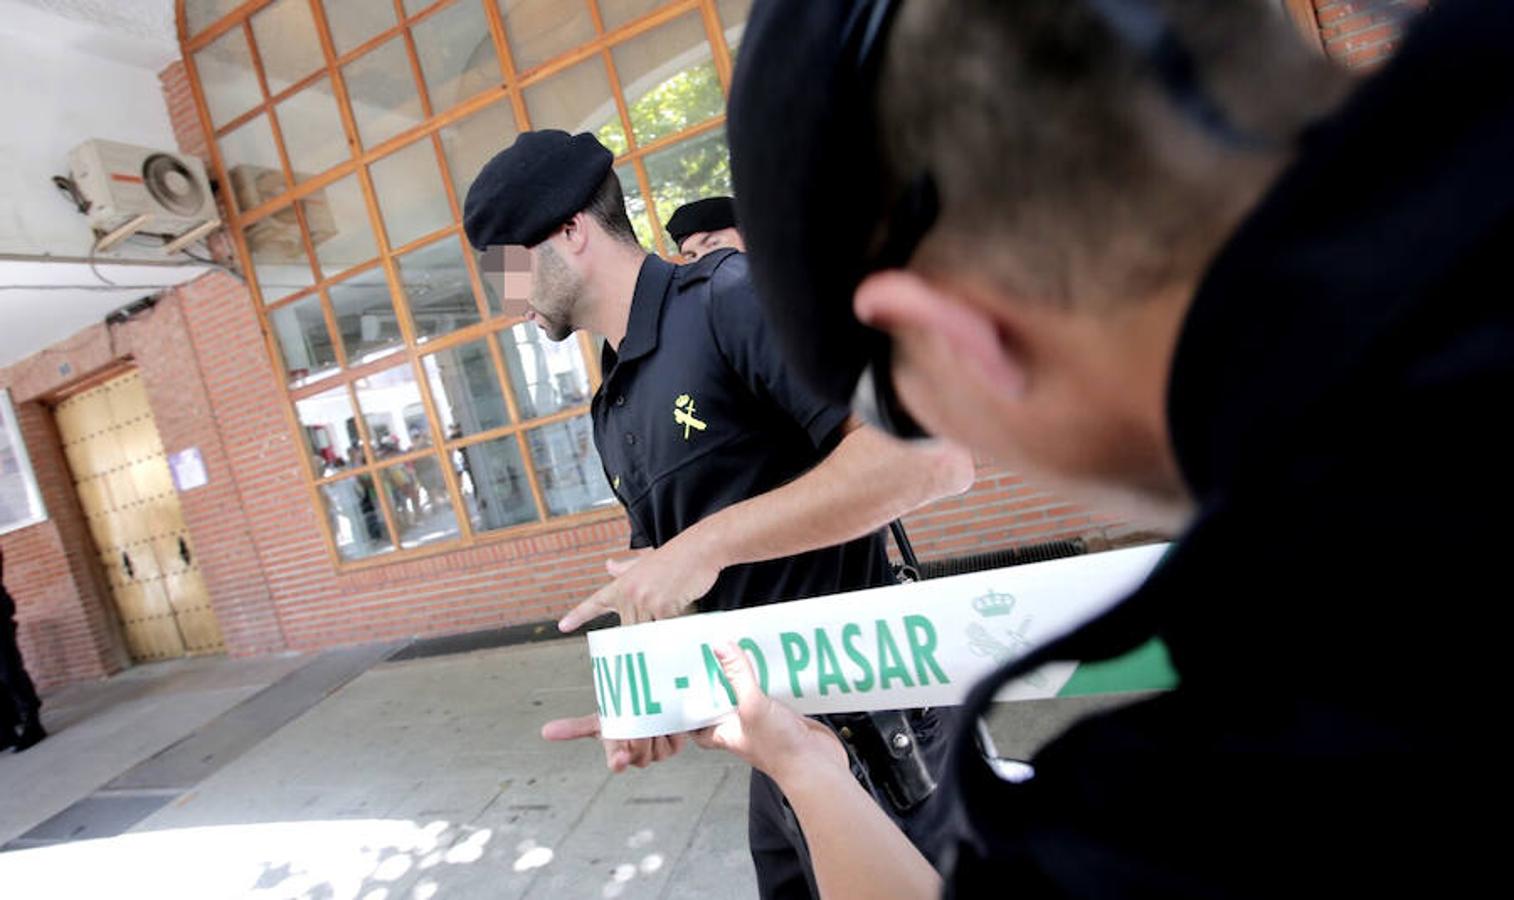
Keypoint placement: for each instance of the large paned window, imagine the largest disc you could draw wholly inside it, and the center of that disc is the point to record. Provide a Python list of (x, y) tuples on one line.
[(347, 133)]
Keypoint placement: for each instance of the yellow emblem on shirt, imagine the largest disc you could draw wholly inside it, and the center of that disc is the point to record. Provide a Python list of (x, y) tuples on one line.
[(683, 414)]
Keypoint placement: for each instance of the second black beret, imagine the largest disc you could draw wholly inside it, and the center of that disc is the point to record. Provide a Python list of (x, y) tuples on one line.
[(709, 214)]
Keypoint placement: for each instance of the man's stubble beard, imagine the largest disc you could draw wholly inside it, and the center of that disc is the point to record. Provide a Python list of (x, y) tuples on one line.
[(555, 294)]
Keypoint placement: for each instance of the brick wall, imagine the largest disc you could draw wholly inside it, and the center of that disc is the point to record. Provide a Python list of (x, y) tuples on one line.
[(52, 567), (167, 347), (67, 627), (1003, 509), (1363, 33)]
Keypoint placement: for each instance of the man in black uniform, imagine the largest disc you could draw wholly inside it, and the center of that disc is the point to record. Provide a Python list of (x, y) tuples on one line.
[(750, 488), (20, 708), (705, 226), (1142, 245)]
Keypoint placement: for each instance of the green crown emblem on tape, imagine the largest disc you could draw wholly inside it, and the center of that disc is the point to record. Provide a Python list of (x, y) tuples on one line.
[(994, 603)]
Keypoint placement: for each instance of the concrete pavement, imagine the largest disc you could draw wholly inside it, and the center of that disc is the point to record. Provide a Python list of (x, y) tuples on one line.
[(343, 775)]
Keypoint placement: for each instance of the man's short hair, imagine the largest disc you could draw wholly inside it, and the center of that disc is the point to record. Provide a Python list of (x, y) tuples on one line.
[(1064, 169), (608, 208)]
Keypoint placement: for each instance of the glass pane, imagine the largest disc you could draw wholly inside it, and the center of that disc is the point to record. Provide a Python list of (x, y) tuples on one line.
[(312, 129), (353, 22), (201, 14), (252, 164), (466, 390), (382, 91), (616, 13), (636, 206), (287, 43), (470, 143), (357, 520), (410, 193), (227, 77), (572, 478), (494, 484), (278, 255), (669, 79), (436, 284), (541, 29), (689, 171), (578, 99), (422, 508), (391, 404), (733, 16), (546, 376), (365, 316), (488, 280), (456, 53), (329, 430), (304, 340), (338, 222)]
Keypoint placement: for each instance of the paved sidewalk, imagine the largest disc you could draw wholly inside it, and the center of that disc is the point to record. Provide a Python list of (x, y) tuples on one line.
[(101, 730), (343, 776)]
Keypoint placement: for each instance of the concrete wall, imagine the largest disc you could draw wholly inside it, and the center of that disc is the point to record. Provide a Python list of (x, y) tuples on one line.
[(55, 98)]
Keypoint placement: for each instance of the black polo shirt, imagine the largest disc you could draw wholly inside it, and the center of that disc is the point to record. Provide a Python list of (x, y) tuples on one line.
[(697, 411), (1338, 405)]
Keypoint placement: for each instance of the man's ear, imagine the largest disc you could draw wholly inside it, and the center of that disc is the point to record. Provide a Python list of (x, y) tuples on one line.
[(908, 308), (575, 233)]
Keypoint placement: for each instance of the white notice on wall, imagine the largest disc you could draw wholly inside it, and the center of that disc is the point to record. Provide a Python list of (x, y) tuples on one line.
[(188, 469)]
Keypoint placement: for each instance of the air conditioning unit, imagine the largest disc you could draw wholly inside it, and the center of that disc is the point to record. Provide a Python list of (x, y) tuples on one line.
[(132, 189), (276, 237)]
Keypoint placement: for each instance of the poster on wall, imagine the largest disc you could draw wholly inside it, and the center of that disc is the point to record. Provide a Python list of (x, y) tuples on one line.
[(188, 469), (20, 501)]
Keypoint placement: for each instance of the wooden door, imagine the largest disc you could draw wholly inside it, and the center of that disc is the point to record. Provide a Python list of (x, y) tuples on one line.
[(121, 473)]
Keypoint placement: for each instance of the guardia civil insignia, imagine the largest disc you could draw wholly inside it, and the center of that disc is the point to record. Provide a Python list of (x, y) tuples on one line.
[(685, 414)]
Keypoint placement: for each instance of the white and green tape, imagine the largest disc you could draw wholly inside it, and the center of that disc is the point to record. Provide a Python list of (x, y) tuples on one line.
[(898, 647)]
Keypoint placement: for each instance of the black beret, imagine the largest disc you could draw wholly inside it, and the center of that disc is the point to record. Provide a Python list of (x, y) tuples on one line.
[(533, 186), (808, 178), (709, 214)]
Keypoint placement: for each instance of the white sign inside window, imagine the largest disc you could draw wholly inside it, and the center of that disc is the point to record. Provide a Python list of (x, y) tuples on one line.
[(20, 501)]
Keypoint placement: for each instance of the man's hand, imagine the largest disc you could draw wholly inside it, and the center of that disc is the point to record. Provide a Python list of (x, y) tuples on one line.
[(856, 848), (768, 735), (619, 755), (658, 584)]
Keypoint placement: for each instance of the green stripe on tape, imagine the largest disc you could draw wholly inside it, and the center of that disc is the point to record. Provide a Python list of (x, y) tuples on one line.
[(1147, 668)]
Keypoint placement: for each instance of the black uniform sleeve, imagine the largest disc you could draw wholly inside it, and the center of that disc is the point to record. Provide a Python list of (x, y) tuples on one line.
[(639, 540), (748, 344)]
